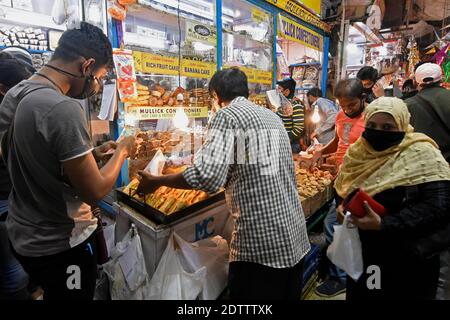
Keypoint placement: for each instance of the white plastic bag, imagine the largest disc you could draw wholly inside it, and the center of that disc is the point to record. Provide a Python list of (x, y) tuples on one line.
[(345, 250), (126, 270), (211, 253), (156, 166), (171, 282)]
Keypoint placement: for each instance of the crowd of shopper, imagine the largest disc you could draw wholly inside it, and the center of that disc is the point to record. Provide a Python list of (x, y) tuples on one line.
[(396, 150)]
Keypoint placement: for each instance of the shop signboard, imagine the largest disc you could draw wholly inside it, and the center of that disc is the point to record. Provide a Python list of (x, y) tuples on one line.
[(259, 16), (297, 10), (151, 113), (313, 5), (200, 32), (154, 63), (263, 77), (291, 30), (197, 69)]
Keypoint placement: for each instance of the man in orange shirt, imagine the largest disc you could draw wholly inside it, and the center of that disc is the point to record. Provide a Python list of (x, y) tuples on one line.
[(349, 128)]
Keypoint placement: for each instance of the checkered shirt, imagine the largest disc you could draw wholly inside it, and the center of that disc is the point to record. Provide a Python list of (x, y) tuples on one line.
[(247, 151)]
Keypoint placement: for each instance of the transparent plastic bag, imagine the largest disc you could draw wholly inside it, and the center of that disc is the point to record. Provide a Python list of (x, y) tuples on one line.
[(345, 250), (126, 270)]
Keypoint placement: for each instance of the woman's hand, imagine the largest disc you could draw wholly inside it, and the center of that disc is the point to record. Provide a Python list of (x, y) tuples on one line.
[(371, 221), (340, 214)]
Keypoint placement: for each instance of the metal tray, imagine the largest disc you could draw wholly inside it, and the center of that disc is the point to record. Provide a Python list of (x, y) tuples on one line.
[(160, 217)]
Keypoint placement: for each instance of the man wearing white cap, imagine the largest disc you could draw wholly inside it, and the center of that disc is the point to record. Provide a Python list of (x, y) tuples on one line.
[(430, 108), (430, 114)]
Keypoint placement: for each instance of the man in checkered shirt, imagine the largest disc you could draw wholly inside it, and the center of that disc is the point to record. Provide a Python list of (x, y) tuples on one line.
[(247, 151)]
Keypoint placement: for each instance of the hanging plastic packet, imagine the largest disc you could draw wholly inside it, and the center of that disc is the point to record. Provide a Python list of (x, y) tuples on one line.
[(126, 74), (116, 11), (285, 105)]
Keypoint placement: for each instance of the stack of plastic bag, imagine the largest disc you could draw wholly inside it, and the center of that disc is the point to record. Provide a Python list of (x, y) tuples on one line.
[(126, 270), (189, 271)]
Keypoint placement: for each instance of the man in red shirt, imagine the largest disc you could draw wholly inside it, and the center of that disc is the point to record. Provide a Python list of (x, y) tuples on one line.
[(349, 128)]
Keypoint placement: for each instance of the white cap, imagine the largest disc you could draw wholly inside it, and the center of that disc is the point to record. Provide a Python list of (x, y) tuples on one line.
[(428, 73)]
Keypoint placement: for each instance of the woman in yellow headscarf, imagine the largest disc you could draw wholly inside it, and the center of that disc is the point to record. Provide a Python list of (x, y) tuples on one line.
[(406, 173)]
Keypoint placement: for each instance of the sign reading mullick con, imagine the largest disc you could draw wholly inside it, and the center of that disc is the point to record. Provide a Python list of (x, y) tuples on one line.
[(294, 31)]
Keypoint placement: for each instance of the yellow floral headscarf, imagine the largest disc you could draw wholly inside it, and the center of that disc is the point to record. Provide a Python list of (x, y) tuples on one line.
[(414, 161)]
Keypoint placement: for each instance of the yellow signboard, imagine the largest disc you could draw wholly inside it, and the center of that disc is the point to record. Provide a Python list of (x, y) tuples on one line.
[(152, 113), (256, 75), (263, 77), (291, 30), (259, 16), (154, 63), (314, 5), (297, 10), (197, 69), (250, 73), (137, 57)]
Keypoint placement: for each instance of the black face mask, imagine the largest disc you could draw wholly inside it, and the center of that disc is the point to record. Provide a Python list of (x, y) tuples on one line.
[(91, 84), (381, 140), (357, 113), (368, 90)]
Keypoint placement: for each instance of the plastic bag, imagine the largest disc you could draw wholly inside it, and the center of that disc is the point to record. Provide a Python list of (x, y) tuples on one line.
[(156, 166), (116, 11), (211, 253), (345, 250), (170, 280), (126, 74), (126, 270)]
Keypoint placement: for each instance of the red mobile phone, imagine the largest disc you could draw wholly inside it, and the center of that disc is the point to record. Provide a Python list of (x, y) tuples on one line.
[(354, 203)]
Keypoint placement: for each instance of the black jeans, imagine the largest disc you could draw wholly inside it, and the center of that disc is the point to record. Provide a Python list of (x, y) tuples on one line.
[(69, 275), (254, 281)]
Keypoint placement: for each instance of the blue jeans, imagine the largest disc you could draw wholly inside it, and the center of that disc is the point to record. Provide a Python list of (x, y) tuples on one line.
[(329, 223), (13, 278)]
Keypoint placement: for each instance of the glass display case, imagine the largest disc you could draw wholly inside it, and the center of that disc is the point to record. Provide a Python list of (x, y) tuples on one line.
[(174, 57), (248, 42)]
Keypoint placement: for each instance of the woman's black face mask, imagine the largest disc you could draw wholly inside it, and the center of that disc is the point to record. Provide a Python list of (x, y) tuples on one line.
[(382, 140)]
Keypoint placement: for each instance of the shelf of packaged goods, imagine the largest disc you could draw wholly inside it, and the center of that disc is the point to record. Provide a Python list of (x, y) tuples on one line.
[(31, 51)]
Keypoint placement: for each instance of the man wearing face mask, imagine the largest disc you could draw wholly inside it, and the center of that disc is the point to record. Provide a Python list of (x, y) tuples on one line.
[(293, 117), (369, 78), (349, 128), (53, 168)]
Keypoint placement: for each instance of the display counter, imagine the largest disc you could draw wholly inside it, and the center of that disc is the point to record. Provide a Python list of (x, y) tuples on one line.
[(211, 221)]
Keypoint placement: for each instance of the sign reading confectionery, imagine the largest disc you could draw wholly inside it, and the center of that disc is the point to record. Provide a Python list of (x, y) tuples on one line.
[(297, 10), (151, 113), (291, 30)]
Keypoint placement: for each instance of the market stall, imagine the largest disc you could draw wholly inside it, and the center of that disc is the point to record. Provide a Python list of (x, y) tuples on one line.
[(166, 53)]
